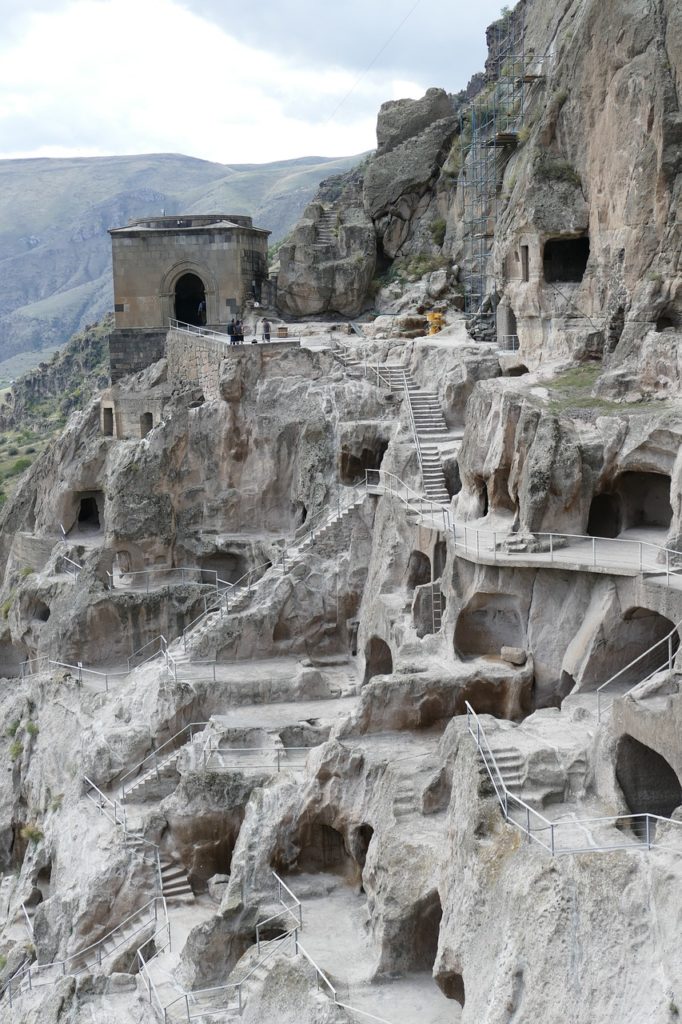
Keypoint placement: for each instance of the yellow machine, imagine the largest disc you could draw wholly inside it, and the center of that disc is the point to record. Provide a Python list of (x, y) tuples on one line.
[(436, 322)]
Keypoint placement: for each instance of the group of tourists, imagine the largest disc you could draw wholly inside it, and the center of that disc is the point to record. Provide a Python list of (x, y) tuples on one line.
[(235, 330)]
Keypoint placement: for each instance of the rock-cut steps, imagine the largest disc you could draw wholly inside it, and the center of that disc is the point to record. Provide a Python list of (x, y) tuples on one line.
[(510, 764), (325, 230), (327, 540), (174, 881), (164, 771)]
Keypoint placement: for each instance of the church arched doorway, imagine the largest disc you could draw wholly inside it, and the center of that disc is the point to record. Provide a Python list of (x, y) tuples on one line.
[(190, 300)]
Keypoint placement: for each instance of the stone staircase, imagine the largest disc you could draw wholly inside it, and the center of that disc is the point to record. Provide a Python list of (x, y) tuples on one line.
[(404, 798), (324, 230), (510, 763), (164, 771), (327, 539), (174, 881)]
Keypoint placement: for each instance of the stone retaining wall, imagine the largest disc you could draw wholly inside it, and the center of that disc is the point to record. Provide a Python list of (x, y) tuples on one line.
[(196, 359)]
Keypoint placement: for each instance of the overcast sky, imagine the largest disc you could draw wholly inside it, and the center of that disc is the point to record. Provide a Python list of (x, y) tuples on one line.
[(225, 80)]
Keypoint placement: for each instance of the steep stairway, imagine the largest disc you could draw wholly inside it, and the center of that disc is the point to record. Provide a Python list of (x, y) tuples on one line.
[(429, 425), (328, 538), (404, 798), (174, 881), (165, 770), (324, 229), (510, 763)]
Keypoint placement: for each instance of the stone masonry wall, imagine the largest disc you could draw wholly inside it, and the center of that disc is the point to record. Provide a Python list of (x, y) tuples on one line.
[(196, 358)]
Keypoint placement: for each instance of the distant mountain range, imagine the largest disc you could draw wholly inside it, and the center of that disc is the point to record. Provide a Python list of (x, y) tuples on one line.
[(55, 253)]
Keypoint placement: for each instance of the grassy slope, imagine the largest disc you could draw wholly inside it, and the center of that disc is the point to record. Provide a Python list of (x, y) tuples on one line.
[(54, 215)]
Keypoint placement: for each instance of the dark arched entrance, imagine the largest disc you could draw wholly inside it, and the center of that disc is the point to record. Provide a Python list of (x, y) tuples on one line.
[(378, 659), (189, 295), (649, 784)]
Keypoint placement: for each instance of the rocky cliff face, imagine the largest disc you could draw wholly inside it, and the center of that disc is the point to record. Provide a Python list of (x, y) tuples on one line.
[(356, 750), (392, 201), (578, 206)]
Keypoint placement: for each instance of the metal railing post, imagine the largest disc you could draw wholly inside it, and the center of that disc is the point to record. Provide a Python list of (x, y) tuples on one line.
[(648, 834), (594, 551), (551, 547), (640, 556), (551, 833), (670, 653)]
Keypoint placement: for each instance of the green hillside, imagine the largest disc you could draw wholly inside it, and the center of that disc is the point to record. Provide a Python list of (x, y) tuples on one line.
[(55, 258)]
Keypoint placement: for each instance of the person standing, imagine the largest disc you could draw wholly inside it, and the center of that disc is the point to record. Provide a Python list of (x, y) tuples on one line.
[(239, 332), (232, 331), (201, 311), (266, 329)]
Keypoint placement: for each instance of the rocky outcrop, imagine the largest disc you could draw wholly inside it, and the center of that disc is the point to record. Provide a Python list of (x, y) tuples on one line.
[(331, 260), (336, 239)]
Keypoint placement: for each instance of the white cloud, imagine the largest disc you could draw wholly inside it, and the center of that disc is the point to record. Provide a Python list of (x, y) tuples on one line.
[(94, 77)]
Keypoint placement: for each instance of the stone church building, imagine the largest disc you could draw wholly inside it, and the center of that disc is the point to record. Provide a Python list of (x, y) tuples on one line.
[(197, 269)]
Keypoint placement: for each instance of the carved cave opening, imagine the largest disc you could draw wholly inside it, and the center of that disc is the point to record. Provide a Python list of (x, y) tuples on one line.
[(422, 929), (451, 985), (361, 840), (418, 570), (90, 516), (635, 500), (649, 783), (229, 565), (189, 294), (639, 630), (487, 623), (40, 611), (565, 259), (354, 466), (321, 849), (378, 658), (453, 480), (146, 423)]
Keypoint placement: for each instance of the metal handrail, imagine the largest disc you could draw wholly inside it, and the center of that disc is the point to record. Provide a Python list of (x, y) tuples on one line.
[(413, 424), (162, 643), (223, 336), (77, 567), (345, 500), (160, 570), (507, 799), (33, 969), (487, 540), (82, 670), (276, 752), (389, 483), (668, 663), (154, 753)]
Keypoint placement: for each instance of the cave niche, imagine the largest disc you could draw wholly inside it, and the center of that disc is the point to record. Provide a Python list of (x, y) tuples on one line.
[(378, 658), (487, 623), (649, 783)]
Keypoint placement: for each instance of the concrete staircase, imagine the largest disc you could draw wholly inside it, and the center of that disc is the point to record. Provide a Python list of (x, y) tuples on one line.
[(430, 427)]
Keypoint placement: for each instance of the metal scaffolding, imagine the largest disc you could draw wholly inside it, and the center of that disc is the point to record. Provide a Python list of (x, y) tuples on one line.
[(489, 132)]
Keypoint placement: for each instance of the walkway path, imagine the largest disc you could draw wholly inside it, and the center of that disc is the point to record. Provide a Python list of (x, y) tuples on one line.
[(336, 934)]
